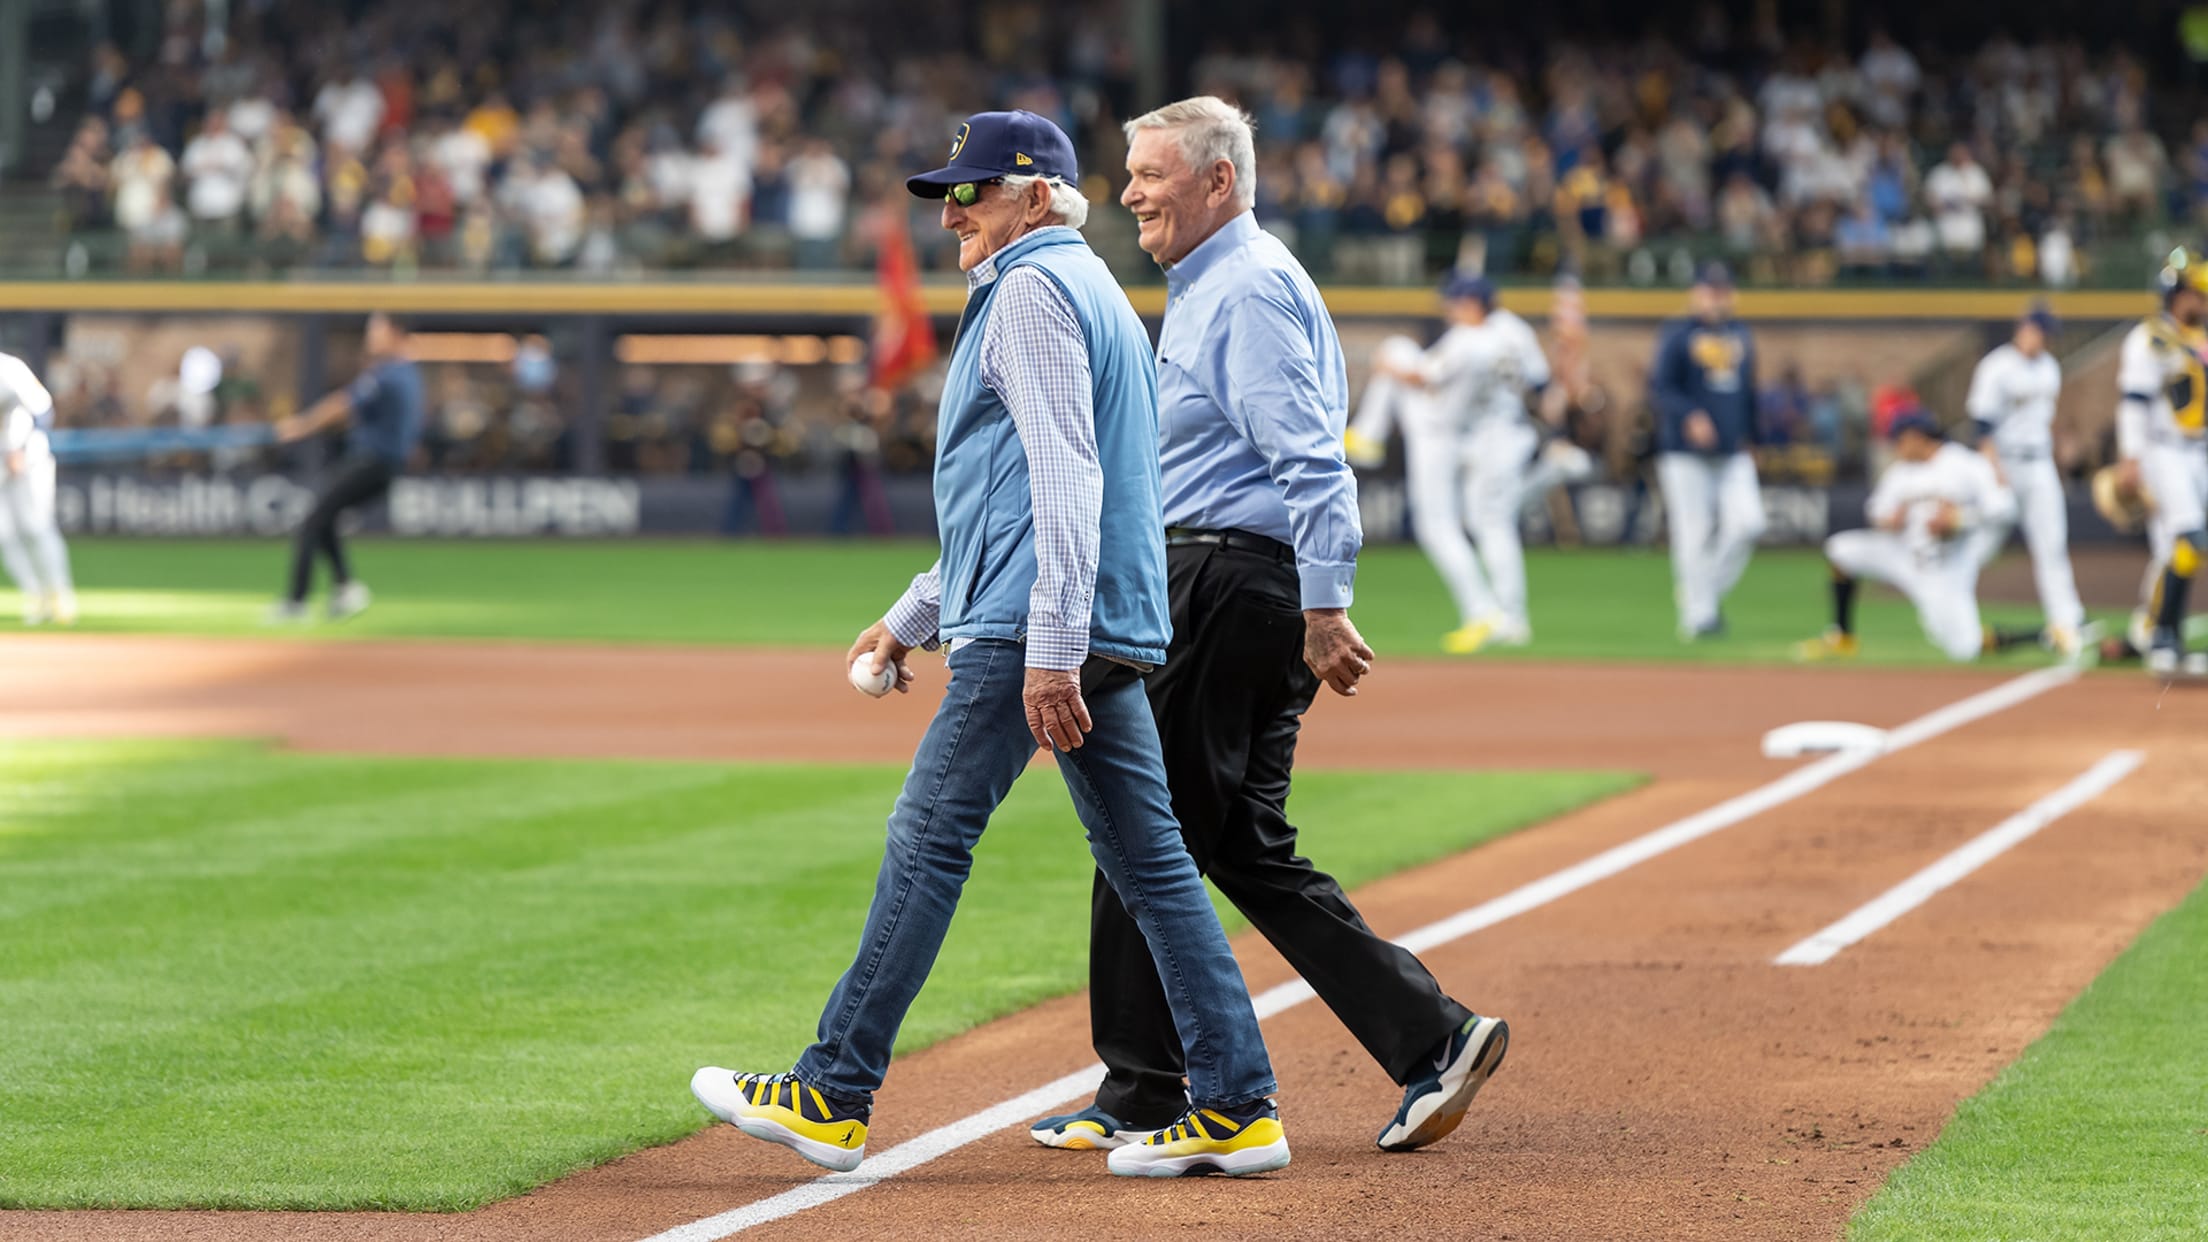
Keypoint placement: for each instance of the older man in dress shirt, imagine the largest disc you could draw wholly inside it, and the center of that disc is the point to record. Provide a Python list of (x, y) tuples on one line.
[(1050, 594), (1261, 540)]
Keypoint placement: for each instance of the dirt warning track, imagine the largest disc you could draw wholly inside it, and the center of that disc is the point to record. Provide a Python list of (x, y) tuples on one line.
[(1665, 1078)]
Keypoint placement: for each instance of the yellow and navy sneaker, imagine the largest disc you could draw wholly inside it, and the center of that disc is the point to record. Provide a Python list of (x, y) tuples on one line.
[(1830, 645), (1437, 1100), (1468, 639), (1235, 1141), (781, 1108), (1362, 452), (1091, 1129)]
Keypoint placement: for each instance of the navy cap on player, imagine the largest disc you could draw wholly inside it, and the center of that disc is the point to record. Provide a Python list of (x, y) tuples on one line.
[(1464, 286), (1714, 274), (2042, 317), (1000, 144), (1917, 421)]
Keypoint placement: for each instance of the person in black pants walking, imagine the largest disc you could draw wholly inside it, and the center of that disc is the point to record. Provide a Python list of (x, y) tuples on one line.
[(1262, 535), (384, 406)]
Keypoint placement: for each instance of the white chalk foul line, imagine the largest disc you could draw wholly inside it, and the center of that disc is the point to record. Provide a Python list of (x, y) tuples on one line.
[(1082, 1083), (1964, 859)]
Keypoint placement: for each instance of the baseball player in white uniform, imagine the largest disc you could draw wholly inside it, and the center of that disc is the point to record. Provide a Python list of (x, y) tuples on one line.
[(1938, 514), (1467, 443), (30, 540), (2160, 423), (2012, 401)]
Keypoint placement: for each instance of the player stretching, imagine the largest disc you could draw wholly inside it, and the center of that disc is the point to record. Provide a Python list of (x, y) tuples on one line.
[(1432, 390), (2012, 401), (385, 406), (30, 539), (2159, 425), (1938, 514), (1703, 386)]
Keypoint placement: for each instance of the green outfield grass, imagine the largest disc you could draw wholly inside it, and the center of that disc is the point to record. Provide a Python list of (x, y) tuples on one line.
[(1586, 604), (251, 979), (2099, 1132)]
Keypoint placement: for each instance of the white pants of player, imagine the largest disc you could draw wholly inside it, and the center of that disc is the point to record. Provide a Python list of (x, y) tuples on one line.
[(1498, 453), (30, 539), (1434, 476), (1714, 507), (2043, 513), (1942, 586), (2176, 475)]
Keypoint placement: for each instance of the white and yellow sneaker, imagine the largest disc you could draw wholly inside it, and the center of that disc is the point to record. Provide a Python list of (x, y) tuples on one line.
[(1091, 1129), (1235, 1142), (781, 1108)]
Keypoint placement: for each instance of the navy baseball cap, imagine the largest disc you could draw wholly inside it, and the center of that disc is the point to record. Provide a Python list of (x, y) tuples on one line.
[(1714, 274), (1001, 144), (1917, 421), (2040, 316), (1458, 286)]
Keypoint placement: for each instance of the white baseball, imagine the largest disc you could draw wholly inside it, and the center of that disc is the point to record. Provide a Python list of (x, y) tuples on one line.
[(869, 682)]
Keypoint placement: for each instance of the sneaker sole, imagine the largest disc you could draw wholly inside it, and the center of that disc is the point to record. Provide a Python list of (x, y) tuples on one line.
[(826, 1155), (1243, 1163), (1483, 1056)]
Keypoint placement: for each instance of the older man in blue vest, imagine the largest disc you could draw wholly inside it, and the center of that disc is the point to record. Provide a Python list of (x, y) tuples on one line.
[(1050, 595)]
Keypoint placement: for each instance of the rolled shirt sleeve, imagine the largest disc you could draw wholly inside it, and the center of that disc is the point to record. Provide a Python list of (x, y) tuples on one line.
[(1276, 402), (1036, 358), (914, 618)]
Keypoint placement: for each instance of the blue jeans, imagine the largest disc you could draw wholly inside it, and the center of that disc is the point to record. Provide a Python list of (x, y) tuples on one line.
[(974, 749)]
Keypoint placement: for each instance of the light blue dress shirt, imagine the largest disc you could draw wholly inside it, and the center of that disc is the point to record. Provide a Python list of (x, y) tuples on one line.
[(1253, 396)]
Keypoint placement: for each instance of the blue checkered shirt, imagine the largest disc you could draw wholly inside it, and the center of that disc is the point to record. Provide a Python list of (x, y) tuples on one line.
[(1035, 357)]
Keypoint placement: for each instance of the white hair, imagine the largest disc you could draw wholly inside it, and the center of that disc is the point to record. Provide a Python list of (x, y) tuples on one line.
[(1211, 129), (1066, 202)]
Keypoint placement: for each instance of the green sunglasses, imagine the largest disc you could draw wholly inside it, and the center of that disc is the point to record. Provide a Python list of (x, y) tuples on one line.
[(967, 193)]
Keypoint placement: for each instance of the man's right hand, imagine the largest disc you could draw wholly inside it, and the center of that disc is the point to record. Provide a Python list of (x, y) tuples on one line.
[(2127, 473), (1701, 433), (886, 650)]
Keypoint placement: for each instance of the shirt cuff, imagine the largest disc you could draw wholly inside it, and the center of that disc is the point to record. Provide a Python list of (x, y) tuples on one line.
[(913, 622), (1060, 650), (1328, 585)]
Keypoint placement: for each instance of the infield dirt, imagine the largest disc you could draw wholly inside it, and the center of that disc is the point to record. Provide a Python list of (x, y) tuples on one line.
[(1664, 1078)]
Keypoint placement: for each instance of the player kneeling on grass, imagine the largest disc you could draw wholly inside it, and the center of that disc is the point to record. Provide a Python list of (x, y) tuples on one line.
[(1937, 515)]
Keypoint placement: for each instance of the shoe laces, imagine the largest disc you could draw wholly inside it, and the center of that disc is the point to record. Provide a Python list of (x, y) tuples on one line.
[(1208, 1124)]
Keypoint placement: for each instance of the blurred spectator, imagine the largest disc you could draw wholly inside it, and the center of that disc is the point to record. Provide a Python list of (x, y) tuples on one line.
[(143, 177), (820, 190), (1958, 192), (719, 191), (349, 109), (81, 177), (218, 170)]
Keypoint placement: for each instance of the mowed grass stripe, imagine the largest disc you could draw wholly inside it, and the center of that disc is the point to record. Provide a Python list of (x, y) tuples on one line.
[(2098, 1131), (241, 978), (1586, 603)]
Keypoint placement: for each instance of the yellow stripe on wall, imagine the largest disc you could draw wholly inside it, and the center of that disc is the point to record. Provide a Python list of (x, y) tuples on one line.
[(532, 297)]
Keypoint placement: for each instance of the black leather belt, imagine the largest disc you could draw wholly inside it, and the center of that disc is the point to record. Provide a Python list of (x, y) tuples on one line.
[(1232, 541)]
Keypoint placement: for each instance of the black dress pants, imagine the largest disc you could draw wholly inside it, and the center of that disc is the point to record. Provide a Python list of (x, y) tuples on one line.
[(358, 481), (1229, 700)]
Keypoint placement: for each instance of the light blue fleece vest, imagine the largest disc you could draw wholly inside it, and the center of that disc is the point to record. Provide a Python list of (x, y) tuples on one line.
[(984, 510)]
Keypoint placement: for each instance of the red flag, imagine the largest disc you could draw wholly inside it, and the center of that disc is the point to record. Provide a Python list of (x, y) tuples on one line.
[(904, 336)]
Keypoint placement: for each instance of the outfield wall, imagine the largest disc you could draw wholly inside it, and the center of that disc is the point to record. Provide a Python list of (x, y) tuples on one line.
[(594, 507)]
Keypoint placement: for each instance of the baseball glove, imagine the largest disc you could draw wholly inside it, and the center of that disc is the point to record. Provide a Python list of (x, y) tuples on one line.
[(2125, 507)]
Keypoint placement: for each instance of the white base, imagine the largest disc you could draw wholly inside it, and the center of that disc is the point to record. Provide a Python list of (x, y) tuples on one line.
[(1821, 737)]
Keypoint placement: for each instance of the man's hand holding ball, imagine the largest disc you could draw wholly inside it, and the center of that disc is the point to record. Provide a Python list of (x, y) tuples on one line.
[(877, 662)]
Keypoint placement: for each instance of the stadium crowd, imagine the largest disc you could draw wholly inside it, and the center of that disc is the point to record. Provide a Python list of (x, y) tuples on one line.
[(624, 136)]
